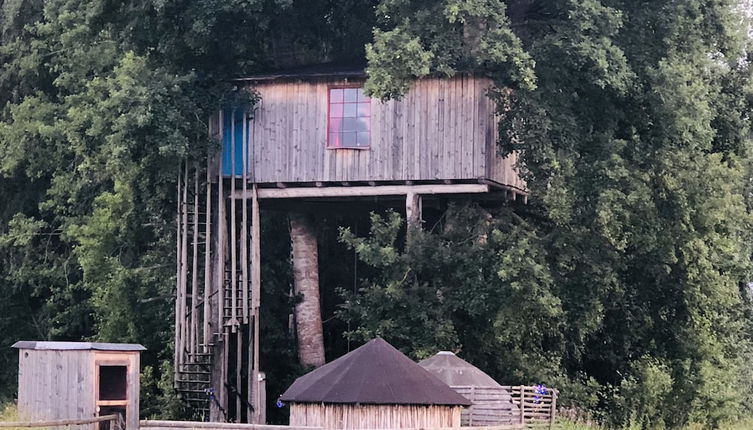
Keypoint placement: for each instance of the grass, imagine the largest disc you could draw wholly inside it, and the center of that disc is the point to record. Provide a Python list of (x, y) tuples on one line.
[(8, 412), (742, 425)]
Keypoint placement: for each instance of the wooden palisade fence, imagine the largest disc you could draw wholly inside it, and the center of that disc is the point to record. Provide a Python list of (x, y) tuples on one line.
[(520, 406)]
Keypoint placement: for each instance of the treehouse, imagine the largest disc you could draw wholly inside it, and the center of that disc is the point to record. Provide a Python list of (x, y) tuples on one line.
[(312, 138)]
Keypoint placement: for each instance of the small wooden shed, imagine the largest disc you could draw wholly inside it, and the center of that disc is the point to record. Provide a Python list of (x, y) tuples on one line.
[(77, 380), (373, 387), (492, 404)]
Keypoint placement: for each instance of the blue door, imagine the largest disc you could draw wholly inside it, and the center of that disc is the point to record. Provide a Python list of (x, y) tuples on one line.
[(233, 141)]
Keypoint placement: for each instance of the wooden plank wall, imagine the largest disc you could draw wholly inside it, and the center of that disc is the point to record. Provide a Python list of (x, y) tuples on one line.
[(363, 416), (441, 130), (56, 385), (502, 170)]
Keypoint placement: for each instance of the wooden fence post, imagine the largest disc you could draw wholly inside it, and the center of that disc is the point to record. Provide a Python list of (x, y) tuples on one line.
[(553, 411), (522, 406)]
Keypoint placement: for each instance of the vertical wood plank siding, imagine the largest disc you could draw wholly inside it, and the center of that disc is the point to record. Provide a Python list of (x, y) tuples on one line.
[(55, 385), (348, 416), (442, 129)]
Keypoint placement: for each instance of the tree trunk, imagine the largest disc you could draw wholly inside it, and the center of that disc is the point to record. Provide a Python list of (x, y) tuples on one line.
[(308, 314)]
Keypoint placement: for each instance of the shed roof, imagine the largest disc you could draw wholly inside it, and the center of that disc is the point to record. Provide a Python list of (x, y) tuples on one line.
[(311, 71), (454, 371), (375, 373), (77, 346)]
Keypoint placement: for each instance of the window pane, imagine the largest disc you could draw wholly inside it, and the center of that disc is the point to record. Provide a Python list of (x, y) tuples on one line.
[(349, 139), (336, 95), (336, 110), (363, 124), (334, 140), (364, 109), (350, 110), (363, 139), (335, 125), (351, 95), (362, 97), (350, 124)]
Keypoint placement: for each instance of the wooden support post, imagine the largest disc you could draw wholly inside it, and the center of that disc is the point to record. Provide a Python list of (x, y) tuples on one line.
[(224, 380), (258, 398), (207, 259), (195, 265), (184, 266), (553, 409), (238, 367), (522, 406), (233, 240), (413, 209), (178, 240), (220, 237), (244, 235)]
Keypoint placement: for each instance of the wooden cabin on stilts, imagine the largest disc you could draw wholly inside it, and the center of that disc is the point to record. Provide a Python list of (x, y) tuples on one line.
[(313, 138)]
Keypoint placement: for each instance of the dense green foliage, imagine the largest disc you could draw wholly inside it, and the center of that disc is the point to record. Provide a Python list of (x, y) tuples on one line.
[(636, 148), (622, 281), (100, 101)]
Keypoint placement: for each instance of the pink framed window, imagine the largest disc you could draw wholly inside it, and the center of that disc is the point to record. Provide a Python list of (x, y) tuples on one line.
[(349, 118)]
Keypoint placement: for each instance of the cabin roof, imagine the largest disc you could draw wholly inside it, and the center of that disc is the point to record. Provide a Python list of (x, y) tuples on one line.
[(311, 72), (375, 373), (454, 371), (77, 346)]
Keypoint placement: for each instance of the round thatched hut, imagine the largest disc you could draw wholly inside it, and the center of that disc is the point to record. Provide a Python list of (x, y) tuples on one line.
[(373, 387), (491, 403)]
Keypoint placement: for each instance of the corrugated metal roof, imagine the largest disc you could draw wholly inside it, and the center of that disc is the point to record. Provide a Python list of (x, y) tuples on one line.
[(375, 373), (455, 371), (77, 346)]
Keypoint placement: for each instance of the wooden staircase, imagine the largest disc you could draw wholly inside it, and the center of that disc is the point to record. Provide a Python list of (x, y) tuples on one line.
[(194, 382), (216, 307)]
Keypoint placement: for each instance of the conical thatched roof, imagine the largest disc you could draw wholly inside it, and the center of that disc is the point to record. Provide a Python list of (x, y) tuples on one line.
[(375, 373), (454, 371)]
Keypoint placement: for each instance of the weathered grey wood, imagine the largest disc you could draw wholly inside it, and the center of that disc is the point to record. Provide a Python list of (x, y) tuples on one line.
[(384, 190), (441, 129), (220, 240), (181, 347), (244, 224), (179, 242), (63, 384), (154, 424), (193, 341), (233, 241), (258, 389), (59, 422), (207, 261)]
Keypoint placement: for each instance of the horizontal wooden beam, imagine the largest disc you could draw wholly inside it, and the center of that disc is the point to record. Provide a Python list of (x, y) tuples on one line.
[(51, 423), (154, 424), (364, 191)]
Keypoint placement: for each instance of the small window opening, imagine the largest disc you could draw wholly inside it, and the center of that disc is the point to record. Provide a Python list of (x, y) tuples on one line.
[(113, 381), (349, 118)]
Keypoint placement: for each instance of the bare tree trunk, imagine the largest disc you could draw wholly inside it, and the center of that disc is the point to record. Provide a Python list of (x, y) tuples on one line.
[(308, 314)]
